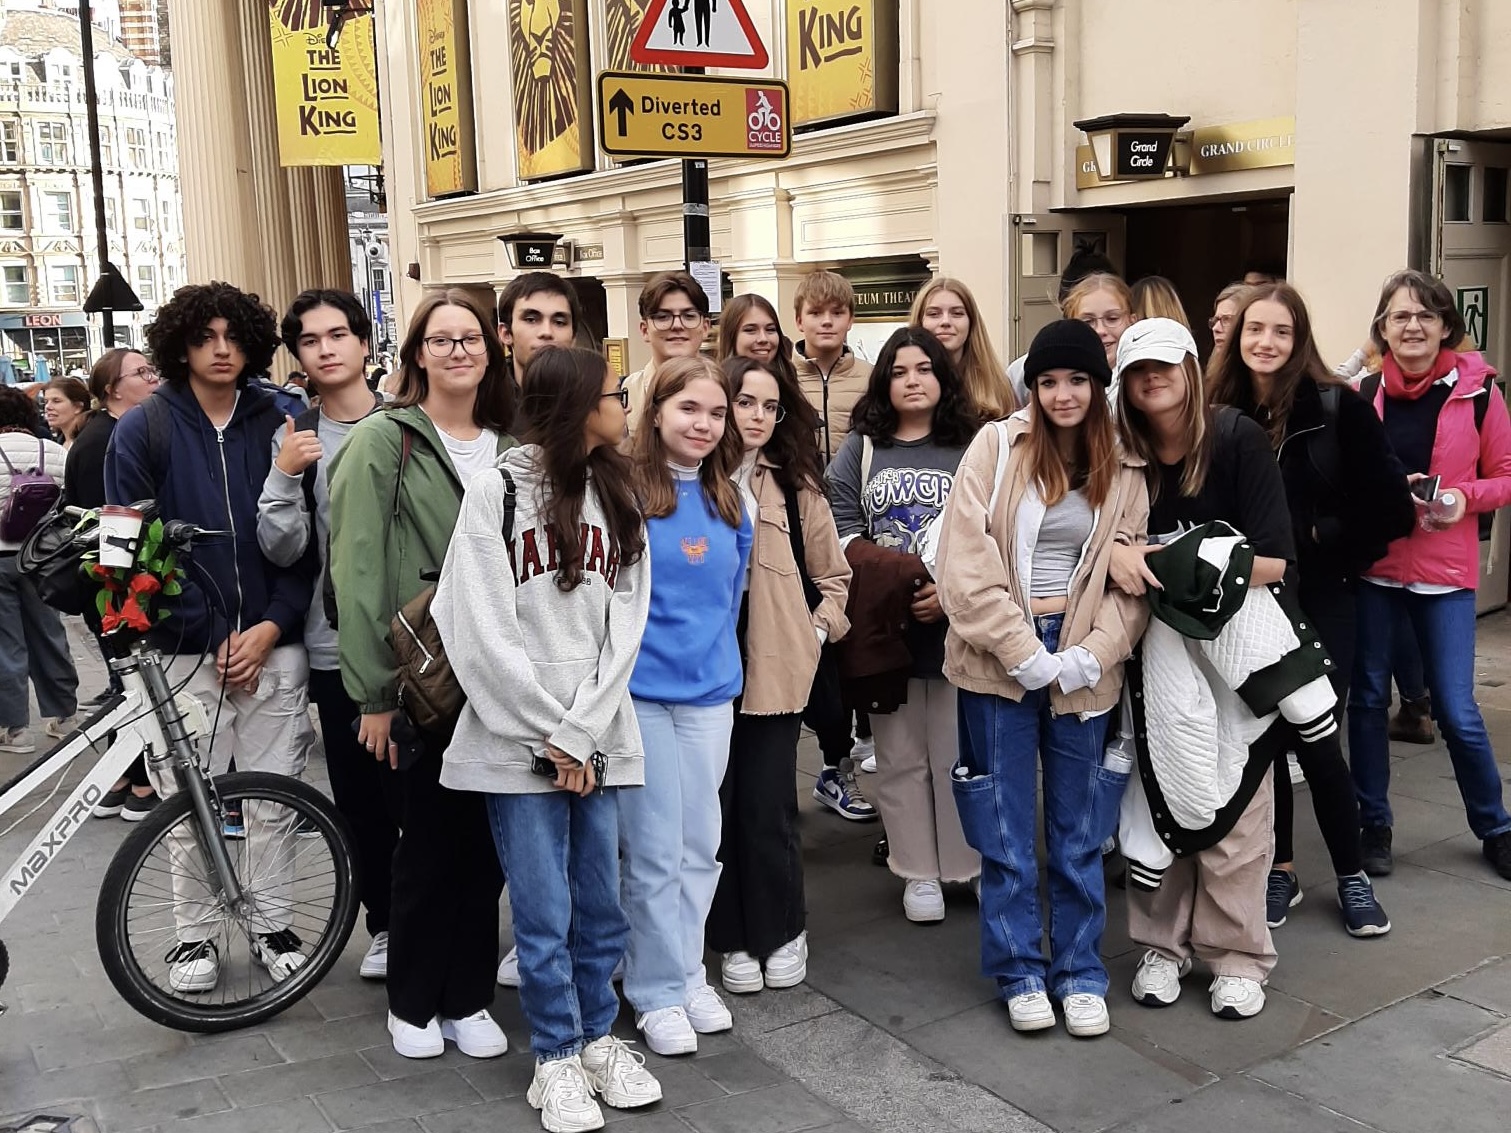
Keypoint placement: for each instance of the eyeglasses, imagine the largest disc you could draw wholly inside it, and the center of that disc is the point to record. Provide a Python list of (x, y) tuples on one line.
[(146, 373), (442, 346), (620, 395), (1400, 320), (689, 317), (773, 409), (1112, 320), (1219, 322)]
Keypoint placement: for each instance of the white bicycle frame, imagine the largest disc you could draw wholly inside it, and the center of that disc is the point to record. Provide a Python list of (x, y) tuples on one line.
[(130, 726)]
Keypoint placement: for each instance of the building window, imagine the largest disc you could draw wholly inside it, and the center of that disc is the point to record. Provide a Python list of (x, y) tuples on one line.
[(10, 145), (136, 147), (170, 278), (141, 214), (112, 215), (107, 148), (146, 283), (57, 211), (164, 154), (52, 143), (10, 69), (65, 284), (380, 281), (12, 219), (17, 286)]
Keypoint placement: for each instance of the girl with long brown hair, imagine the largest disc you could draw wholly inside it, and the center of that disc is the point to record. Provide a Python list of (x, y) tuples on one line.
[(1348, 499), (1036, 646), (794, 604), (396, 490), (548, 734), (698, 535)]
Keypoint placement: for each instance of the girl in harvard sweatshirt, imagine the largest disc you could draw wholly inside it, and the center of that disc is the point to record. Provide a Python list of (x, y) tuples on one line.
[(541, 611), (685, 681)]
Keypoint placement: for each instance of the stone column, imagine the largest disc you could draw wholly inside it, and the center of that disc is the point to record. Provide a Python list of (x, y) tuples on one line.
[(274, 228), (213, 148), (328, 228)]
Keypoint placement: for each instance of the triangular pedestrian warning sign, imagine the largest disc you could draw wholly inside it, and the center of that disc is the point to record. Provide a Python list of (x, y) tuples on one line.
[(699, 33)]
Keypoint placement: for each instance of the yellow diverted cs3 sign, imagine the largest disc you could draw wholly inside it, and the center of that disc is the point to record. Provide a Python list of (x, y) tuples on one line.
[(692, 116)]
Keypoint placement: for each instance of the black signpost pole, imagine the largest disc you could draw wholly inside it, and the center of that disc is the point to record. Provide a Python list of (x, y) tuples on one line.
[(697, 242), (96, 170)]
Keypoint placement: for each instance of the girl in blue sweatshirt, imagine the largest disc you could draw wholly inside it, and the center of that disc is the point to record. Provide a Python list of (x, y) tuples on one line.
[(684, 685)]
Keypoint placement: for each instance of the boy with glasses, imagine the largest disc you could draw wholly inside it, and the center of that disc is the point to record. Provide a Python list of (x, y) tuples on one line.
[(673, 322)]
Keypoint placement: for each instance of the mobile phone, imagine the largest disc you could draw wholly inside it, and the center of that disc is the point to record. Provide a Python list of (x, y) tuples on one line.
[(403, 735), (541, 765), (1426, 489)]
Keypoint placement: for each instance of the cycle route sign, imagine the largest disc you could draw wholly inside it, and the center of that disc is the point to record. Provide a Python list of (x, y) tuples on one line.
[(692, 116)]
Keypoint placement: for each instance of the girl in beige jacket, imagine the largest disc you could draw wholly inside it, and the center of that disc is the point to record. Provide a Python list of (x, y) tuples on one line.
[(795, 596), (1036, 646)]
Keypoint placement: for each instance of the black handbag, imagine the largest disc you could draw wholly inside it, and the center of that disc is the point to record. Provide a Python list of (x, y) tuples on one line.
[(52, 557)]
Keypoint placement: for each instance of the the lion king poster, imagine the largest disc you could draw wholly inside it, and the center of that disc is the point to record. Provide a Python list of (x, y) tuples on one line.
[(548, 49)]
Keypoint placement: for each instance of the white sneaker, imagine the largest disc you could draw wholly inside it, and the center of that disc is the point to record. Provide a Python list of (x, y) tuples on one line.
[(923, 901), (375, 963), (868, 765), (59, 726), (1236, 997), (279, 952), (1157, 981), (193, 966), (863, 751), (508, 969), (706, 1011), (477, 1036), (17, 741), (1030, 1011), (416, 1042), (561, 1092), (618, 1075), (1085, 1015), (667, 1031), (741, 973), (788, 965)]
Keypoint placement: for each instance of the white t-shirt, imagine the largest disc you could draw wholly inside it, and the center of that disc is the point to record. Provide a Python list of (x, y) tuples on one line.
[(471, 457)]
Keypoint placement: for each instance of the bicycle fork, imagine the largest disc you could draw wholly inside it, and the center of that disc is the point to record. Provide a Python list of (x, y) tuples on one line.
[(186, 773)]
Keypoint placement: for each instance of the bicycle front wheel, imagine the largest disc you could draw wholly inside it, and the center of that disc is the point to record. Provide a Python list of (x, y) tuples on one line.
[(184, 955)]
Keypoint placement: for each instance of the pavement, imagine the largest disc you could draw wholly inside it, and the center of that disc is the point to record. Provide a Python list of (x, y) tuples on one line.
[(894, 1032)]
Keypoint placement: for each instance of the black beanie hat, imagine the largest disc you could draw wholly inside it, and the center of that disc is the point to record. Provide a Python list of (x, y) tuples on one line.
[(1068, 344)]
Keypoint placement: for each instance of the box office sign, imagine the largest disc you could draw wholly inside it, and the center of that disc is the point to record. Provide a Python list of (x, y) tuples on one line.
[(326, 97), (841, 59), (446, 98), (548, 53)]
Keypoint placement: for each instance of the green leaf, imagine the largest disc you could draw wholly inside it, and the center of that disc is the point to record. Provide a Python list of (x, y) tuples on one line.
[(100, 599), (172, 589)]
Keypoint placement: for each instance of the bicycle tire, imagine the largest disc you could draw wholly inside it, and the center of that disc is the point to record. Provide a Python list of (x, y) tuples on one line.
[(192, 1010)]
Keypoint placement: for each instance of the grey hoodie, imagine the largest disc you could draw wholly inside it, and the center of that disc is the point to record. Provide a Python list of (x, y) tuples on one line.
[(537, 664)]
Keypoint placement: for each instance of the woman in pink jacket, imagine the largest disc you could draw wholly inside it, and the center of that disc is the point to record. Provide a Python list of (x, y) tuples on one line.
[(1448, 424)]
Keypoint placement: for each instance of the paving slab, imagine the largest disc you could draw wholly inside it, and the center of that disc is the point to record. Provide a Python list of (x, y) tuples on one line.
[(1240, 1103), (1491, 1053)]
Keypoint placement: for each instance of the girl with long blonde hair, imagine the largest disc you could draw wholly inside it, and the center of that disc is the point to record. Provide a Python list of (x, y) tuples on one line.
[(946, 308)]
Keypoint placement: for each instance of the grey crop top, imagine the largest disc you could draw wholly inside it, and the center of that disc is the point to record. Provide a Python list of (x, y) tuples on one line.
[(1062, 536)]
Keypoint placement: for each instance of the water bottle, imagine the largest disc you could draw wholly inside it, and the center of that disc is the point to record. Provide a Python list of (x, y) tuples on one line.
[(1119, 754)]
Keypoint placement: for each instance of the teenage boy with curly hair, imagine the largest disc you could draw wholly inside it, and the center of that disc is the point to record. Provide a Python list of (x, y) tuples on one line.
[(201, 446)]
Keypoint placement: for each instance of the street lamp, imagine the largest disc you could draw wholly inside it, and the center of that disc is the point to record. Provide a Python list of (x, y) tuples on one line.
[(531, 250), (1131, 147)]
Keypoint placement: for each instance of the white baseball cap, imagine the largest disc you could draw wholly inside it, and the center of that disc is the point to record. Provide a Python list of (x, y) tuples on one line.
[(1157, 340)]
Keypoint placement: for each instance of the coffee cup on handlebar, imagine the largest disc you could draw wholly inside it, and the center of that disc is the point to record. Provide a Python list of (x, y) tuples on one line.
[(120, 535)]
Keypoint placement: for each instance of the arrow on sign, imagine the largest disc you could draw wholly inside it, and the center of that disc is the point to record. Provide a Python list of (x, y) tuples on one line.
[(622, 105)]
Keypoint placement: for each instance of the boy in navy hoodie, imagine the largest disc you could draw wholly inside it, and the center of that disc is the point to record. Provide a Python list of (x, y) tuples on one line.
[(201, 447)]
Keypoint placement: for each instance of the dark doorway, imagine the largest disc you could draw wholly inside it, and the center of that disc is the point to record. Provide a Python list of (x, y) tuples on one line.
[(595, 309)]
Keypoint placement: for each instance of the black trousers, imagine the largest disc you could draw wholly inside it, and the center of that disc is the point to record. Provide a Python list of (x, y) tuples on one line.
[(1334, 800), (443, 921), (828, 714), (368, 794), (758, 905)]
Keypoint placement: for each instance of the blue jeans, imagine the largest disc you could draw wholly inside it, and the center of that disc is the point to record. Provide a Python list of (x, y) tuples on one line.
[(561, 855), (1444, 628), (669, 833), (1002, 743)]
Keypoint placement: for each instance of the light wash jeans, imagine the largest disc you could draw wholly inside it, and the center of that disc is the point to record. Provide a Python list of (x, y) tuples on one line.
[(669, 833)]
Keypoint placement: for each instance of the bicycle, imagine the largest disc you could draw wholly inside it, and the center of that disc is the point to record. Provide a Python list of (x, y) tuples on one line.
[(276, 904)]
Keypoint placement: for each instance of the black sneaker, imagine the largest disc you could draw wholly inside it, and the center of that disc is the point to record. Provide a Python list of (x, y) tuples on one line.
[(1497, 851), (306, 828), (138, 807), (1374, 849), (1362, 914), (1282, 894), (881, 853), (111, 802)]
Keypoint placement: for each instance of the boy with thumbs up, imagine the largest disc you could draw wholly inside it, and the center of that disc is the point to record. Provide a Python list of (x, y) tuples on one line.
[(329, 332)]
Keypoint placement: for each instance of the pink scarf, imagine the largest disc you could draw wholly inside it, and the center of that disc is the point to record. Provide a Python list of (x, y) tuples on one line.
[(1402, 387)]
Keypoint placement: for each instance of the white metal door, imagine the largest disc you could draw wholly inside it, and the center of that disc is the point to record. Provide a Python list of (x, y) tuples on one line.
[(1471, 251), (1039, 247)]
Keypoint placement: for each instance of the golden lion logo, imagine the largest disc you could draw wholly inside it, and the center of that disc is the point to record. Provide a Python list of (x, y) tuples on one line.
[(545, 70), (696, 550)]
